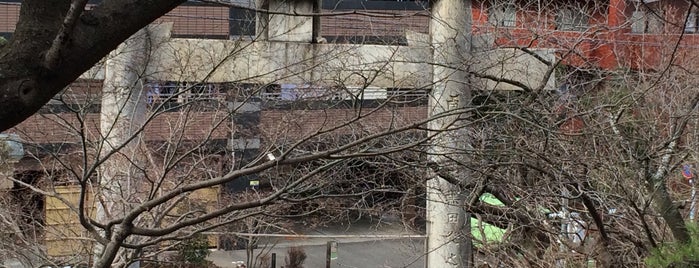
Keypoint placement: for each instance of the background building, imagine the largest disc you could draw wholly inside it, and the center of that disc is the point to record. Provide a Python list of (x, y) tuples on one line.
[(237, 119)]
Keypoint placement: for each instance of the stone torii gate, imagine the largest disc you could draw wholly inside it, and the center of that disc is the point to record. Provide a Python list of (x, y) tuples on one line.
[(287, 52), (448, 226)]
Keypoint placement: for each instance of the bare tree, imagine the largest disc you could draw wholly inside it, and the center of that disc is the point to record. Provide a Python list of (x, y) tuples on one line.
[(159, 143), (71, 40), (582, 170)]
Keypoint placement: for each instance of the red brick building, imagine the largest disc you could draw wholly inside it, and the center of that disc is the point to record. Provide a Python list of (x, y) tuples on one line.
[(602, 34)]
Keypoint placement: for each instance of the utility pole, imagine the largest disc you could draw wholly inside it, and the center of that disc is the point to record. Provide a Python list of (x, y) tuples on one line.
[(448, 226)]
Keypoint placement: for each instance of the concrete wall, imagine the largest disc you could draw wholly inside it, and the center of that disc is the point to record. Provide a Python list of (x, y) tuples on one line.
[(513, 65), (290, 28)]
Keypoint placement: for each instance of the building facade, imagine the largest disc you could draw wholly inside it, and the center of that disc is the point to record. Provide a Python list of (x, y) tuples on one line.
[(607, 34), (241, 120)]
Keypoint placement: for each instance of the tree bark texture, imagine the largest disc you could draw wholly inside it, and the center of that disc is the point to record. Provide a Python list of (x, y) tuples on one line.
[(28, 79)]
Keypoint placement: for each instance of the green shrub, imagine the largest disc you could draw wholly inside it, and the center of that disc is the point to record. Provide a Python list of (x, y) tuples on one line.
[(676, 254), (194, 250)]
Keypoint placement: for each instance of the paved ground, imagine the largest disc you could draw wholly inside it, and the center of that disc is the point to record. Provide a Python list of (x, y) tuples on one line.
[(368, 254), (361, 245)]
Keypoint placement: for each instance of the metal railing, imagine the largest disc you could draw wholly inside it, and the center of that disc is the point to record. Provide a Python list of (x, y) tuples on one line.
[(346, 94), (183, 93)]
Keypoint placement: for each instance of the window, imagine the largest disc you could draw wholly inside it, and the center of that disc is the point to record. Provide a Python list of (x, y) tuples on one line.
[(572, 19), (169, 91), (647, 18), (291, 92), (242, 21), (692, 23), (365, 93), (502, 13), (204, 92), (182, 92), (407, 96)]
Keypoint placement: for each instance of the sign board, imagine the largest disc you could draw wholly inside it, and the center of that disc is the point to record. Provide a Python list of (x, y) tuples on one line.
[(687, 171), (688, 174)]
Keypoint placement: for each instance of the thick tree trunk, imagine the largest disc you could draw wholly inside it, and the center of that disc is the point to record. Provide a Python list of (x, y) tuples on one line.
[(669, 211), (111, 249), (448, 226), (28, 81)]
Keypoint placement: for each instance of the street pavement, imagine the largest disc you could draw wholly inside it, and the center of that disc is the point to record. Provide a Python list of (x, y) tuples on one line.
[(368, 254), (361, 245)]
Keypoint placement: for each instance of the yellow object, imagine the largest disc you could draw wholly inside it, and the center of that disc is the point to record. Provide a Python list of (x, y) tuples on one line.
[(64, 235)]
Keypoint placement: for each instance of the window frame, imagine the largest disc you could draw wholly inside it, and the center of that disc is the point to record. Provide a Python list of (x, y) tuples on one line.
[(502, 13), (645, 18), (575, 20), (693, 18)]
